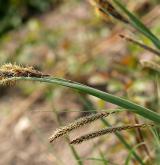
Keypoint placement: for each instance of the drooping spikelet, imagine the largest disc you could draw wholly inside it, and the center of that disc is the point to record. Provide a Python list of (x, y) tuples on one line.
[(107, 131), (11, 70), (78, 123)]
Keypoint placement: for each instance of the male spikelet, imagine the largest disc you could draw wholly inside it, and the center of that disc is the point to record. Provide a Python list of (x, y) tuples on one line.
[(77, 124), (105, 8), (107, 131), (8, 71)]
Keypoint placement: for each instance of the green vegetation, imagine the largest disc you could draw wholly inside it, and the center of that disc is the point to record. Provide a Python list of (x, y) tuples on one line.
[(107, 63)]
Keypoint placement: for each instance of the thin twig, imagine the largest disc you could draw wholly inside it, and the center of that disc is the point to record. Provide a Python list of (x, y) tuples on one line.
[(152, 50)]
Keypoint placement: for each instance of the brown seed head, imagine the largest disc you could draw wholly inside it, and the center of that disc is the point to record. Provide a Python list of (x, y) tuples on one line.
[(11, 70), (77, 124), (107, 131)]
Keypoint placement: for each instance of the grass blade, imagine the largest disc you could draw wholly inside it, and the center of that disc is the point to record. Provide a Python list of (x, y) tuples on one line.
[(131, 153), (144, 112), (75, 154)]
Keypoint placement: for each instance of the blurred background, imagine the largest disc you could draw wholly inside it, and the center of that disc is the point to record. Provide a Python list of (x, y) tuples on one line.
[(69, 39)]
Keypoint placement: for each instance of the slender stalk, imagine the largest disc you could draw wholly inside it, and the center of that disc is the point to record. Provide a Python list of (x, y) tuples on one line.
[(72, 148), (152, 50)]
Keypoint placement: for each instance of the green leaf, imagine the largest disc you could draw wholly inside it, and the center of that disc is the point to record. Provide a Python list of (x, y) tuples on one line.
[(130, 106)]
